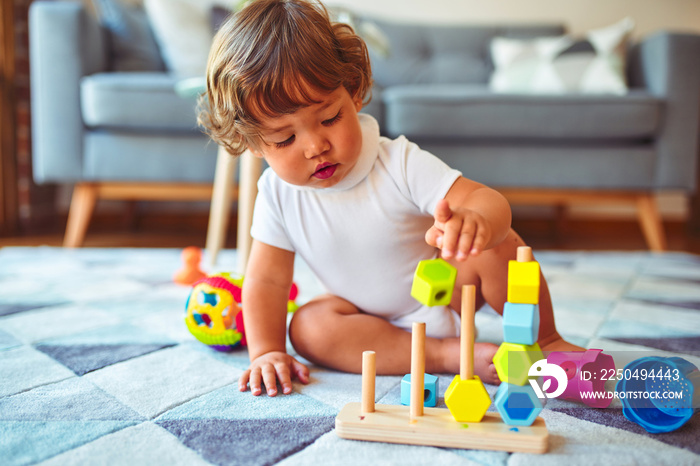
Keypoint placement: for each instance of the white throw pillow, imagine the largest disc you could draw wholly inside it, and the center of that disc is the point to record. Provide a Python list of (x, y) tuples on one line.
[(558, 65), (183, 32)]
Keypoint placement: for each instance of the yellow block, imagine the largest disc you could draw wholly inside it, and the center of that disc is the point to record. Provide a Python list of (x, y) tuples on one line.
[(523, 282), (467, 400)]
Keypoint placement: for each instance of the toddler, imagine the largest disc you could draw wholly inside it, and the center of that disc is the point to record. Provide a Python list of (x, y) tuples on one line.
[(360, 209)]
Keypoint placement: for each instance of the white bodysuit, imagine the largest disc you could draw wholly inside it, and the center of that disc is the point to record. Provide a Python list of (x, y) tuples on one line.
[(364, 236)]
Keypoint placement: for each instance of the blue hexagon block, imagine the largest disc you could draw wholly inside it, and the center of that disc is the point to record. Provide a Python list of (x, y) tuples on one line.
[(521, 323), (430, 397), (517, 405)]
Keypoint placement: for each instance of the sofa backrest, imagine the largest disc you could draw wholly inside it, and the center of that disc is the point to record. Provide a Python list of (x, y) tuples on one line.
[(420, 53), (131, 44)]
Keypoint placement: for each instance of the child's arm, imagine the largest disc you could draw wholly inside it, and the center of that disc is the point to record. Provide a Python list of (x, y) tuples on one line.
[(265, 294), (472, 217)]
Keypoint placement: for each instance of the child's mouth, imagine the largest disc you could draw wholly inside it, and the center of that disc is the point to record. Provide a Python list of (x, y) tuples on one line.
[(325, 170)]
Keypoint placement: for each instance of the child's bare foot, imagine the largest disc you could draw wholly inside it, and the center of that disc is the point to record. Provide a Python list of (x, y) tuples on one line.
[(483, 359), (483, 363)]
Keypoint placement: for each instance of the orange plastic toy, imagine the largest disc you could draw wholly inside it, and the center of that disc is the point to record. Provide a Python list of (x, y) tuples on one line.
[(190, 271)]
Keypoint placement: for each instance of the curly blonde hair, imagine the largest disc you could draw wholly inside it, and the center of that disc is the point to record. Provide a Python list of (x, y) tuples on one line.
[(264, 60)]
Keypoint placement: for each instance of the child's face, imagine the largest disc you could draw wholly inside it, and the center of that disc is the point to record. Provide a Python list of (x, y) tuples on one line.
[(317, 145)]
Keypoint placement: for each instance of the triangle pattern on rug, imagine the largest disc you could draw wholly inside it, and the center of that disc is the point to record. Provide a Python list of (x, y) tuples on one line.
[(7, 309), (8, 341), (683, 304), (685, 437), (687, 345), (250, 441), (28, 442), (82, 359)]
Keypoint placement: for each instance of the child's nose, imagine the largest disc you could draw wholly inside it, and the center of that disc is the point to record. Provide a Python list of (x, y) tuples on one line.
[(317, 145)]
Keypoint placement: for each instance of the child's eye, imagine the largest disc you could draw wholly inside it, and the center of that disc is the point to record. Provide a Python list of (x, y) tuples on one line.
[(285, 143), (335, 119)]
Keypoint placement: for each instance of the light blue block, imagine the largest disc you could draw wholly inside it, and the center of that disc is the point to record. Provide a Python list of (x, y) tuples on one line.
[(430, 396), (517, 405), (521, 323)]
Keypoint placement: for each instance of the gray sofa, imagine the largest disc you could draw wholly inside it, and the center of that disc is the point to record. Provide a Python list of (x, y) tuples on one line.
[(114, 134), (547, 149), (92, 125)]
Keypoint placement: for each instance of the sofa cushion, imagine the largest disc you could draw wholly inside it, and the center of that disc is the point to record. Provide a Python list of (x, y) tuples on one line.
[(472, 111), (540, 164), (142, 101), (420, 53), (113, 155), (183, 31)]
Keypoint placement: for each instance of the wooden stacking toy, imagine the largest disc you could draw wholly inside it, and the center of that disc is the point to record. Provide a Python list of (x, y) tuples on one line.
[(515, 399), (419, 425)]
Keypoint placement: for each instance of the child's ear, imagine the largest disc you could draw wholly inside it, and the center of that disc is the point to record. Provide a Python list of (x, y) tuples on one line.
[(255, 152), (358, 103)]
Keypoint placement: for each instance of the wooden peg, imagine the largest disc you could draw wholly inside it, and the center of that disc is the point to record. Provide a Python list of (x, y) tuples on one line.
[(524, 254), (417, 370), (466, 341), (369, 374)]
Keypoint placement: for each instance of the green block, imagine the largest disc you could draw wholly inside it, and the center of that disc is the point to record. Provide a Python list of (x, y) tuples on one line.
[(513, 361), (433, 282)]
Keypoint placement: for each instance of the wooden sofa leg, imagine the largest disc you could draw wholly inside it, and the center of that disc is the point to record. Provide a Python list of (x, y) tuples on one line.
[(81, 207), (650, 221), (220, 203), (251, 168)]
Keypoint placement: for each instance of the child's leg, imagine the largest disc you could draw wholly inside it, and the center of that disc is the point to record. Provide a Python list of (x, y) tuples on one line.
[(489, 272), (331, 332)]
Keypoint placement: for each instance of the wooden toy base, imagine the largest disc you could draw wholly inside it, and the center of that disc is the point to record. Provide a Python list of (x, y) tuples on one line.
[(437, 427)]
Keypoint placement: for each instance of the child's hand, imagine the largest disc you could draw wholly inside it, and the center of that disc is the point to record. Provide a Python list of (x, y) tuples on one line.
[(458, 233), (268, 369)]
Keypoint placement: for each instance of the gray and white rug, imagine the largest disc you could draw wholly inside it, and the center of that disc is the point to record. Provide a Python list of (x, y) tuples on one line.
[(97, 367)]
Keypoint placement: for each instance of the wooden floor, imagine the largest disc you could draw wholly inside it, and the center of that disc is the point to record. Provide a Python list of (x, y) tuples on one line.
[(181, 231), (602, 235)]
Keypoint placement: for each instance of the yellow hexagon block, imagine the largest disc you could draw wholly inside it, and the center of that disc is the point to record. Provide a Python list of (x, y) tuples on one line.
[(523, 282), (467, 400), (433, 282), (513, 361)]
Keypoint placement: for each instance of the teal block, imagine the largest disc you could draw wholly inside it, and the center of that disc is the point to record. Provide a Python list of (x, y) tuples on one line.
[(521, 323), (518, 405), (430, 397)]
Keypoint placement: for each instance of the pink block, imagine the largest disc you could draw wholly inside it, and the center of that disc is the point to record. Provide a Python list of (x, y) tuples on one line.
[(587, 372)]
